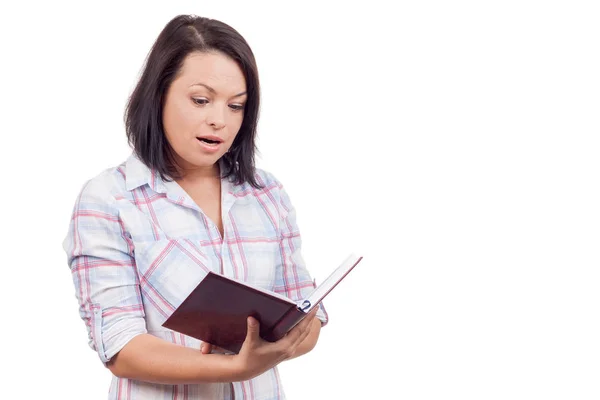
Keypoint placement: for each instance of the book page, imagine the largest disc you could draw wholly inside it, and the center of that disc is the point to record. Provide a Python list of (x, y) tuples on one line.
[(328, 284), (259, 289)]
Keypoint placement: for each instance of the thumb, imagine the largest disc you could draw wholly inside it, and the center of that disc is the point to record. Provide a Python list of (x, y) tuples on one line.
[(206, 348), (253, 329)]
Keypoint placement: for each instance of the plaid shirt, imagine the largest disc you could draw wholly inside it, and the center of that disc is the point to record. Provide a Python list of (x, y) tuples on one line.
[(138, 245)]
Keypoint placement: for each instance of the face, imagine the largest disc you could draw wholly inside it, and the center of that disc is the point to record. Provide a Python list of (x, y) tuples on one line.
[(204, 110)]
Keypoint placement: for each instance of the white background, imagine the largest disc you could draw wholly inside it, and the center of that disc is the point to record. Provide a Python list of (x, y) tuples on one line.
[(455, 145)]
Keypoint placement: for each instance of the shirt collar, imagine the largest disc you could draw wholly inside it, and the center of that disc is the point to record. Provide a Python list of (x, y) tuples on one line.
[(138, 174)]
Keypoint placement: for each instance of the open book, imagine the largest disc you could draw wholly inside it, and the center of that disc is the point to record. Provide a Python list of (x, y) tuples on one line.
[(216, 311)]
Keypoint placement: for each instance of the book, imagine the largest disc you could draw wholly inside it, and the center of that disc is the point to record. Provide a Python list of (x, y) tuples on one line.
[(217, 309)]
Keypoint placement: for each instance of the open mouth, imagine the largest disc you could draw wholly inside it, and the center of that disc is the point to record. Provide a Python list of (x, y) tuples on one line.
[(210, 141)]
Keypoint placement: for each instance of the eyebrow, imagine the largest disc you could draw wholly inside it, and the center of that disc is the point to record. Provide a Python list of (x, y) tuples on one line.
[(213, 91)]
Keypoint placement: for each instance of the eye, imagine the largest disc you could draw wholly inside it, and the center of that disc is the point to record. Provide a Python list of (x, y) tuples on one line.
[(200, 100), (237, 107)]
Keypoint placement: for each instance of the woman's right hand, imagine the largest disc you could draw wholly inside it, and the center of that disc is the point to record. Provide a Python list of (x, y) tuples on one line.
[(257, 355)]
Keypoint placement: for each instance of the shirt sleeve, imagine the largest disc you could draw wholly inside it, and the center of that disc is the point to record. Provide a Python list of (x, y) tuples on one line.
[(100, 256), (292, 277)]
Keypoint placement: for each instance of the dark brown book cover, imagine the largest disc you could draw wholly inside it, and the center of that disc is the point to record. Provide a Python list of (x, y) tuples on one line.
[(217, 310)]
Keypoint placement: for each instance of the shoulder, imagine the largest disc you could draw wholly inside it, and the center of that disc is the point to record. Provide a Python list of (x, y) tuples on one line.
[(105, 187), (267, 179), (273, 189)]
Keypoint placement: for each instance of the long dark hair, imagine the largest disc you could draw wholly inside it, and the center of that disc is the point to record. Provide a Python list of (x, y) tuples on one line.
[(143, 115)]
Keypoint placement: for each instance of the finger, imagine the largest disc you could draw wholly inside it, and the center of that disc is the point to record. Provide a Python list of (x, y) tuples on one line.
[(307, 321), (206, 348), (296, 338), (313, 313), (253, 330), (300, 331), (307, 329)]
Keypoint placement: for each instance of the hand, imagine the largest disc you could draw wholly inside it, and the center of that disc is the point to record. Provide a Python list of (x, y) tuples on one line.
[(257, 355)]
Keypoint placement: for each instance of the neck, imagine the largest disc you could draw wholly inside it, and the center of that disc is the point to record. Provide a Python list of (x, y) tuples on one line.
[(200, 174)]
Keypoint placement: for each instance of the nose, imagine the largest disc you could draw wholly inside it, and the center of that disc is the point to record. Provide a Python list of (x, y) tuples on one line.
[(216, 117)]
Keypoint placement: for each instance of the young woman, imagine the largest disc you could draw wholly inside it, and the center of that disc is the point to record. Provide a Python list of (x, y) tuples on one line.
[(188, 200)]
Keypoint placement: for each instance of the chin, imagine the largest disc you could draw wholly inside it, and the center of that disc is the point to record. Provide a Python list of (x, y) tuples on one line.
[(203, 161)]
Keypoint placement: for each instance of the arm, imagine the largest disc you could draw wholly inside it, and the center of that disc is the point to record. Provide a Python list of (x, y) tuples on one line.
[(153, 360), (148, 358), (100, 256)]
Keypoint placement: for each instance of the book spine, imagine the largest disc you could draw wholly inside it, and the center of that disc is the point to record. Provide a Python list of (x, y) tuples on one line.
[(285, 324)]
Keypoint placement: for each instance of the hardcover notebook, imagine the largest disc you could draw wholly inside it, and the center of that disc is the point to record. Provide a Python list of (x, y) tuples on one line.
[(216, 311)]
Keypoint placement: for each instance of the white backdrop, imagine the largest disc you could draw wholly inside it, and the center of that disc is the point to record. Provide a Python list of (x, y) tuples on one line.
[(453, 144)]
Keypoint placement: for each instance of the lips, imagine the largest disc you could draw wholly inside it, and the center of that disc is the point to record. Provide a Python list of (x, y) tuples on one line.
[(210, 139), (210, 144)]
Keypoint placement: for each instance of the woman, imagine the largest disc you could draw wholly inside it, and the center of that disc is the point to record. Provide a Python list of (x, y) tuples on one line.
[(188, 200)]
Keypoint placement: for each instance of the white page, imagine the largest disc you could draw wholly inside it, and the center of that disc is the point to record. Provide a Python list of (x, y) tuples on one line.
[(328, 284), (268, 292)]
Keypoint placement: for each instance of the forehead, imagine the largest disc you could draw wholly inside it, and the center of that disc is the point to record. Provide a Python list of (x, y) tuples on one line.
[(214, 69)]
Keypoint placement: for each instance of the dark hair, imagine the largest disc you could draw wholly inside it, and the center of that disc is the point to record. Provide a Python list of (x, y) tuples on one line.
[(183, 35)]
